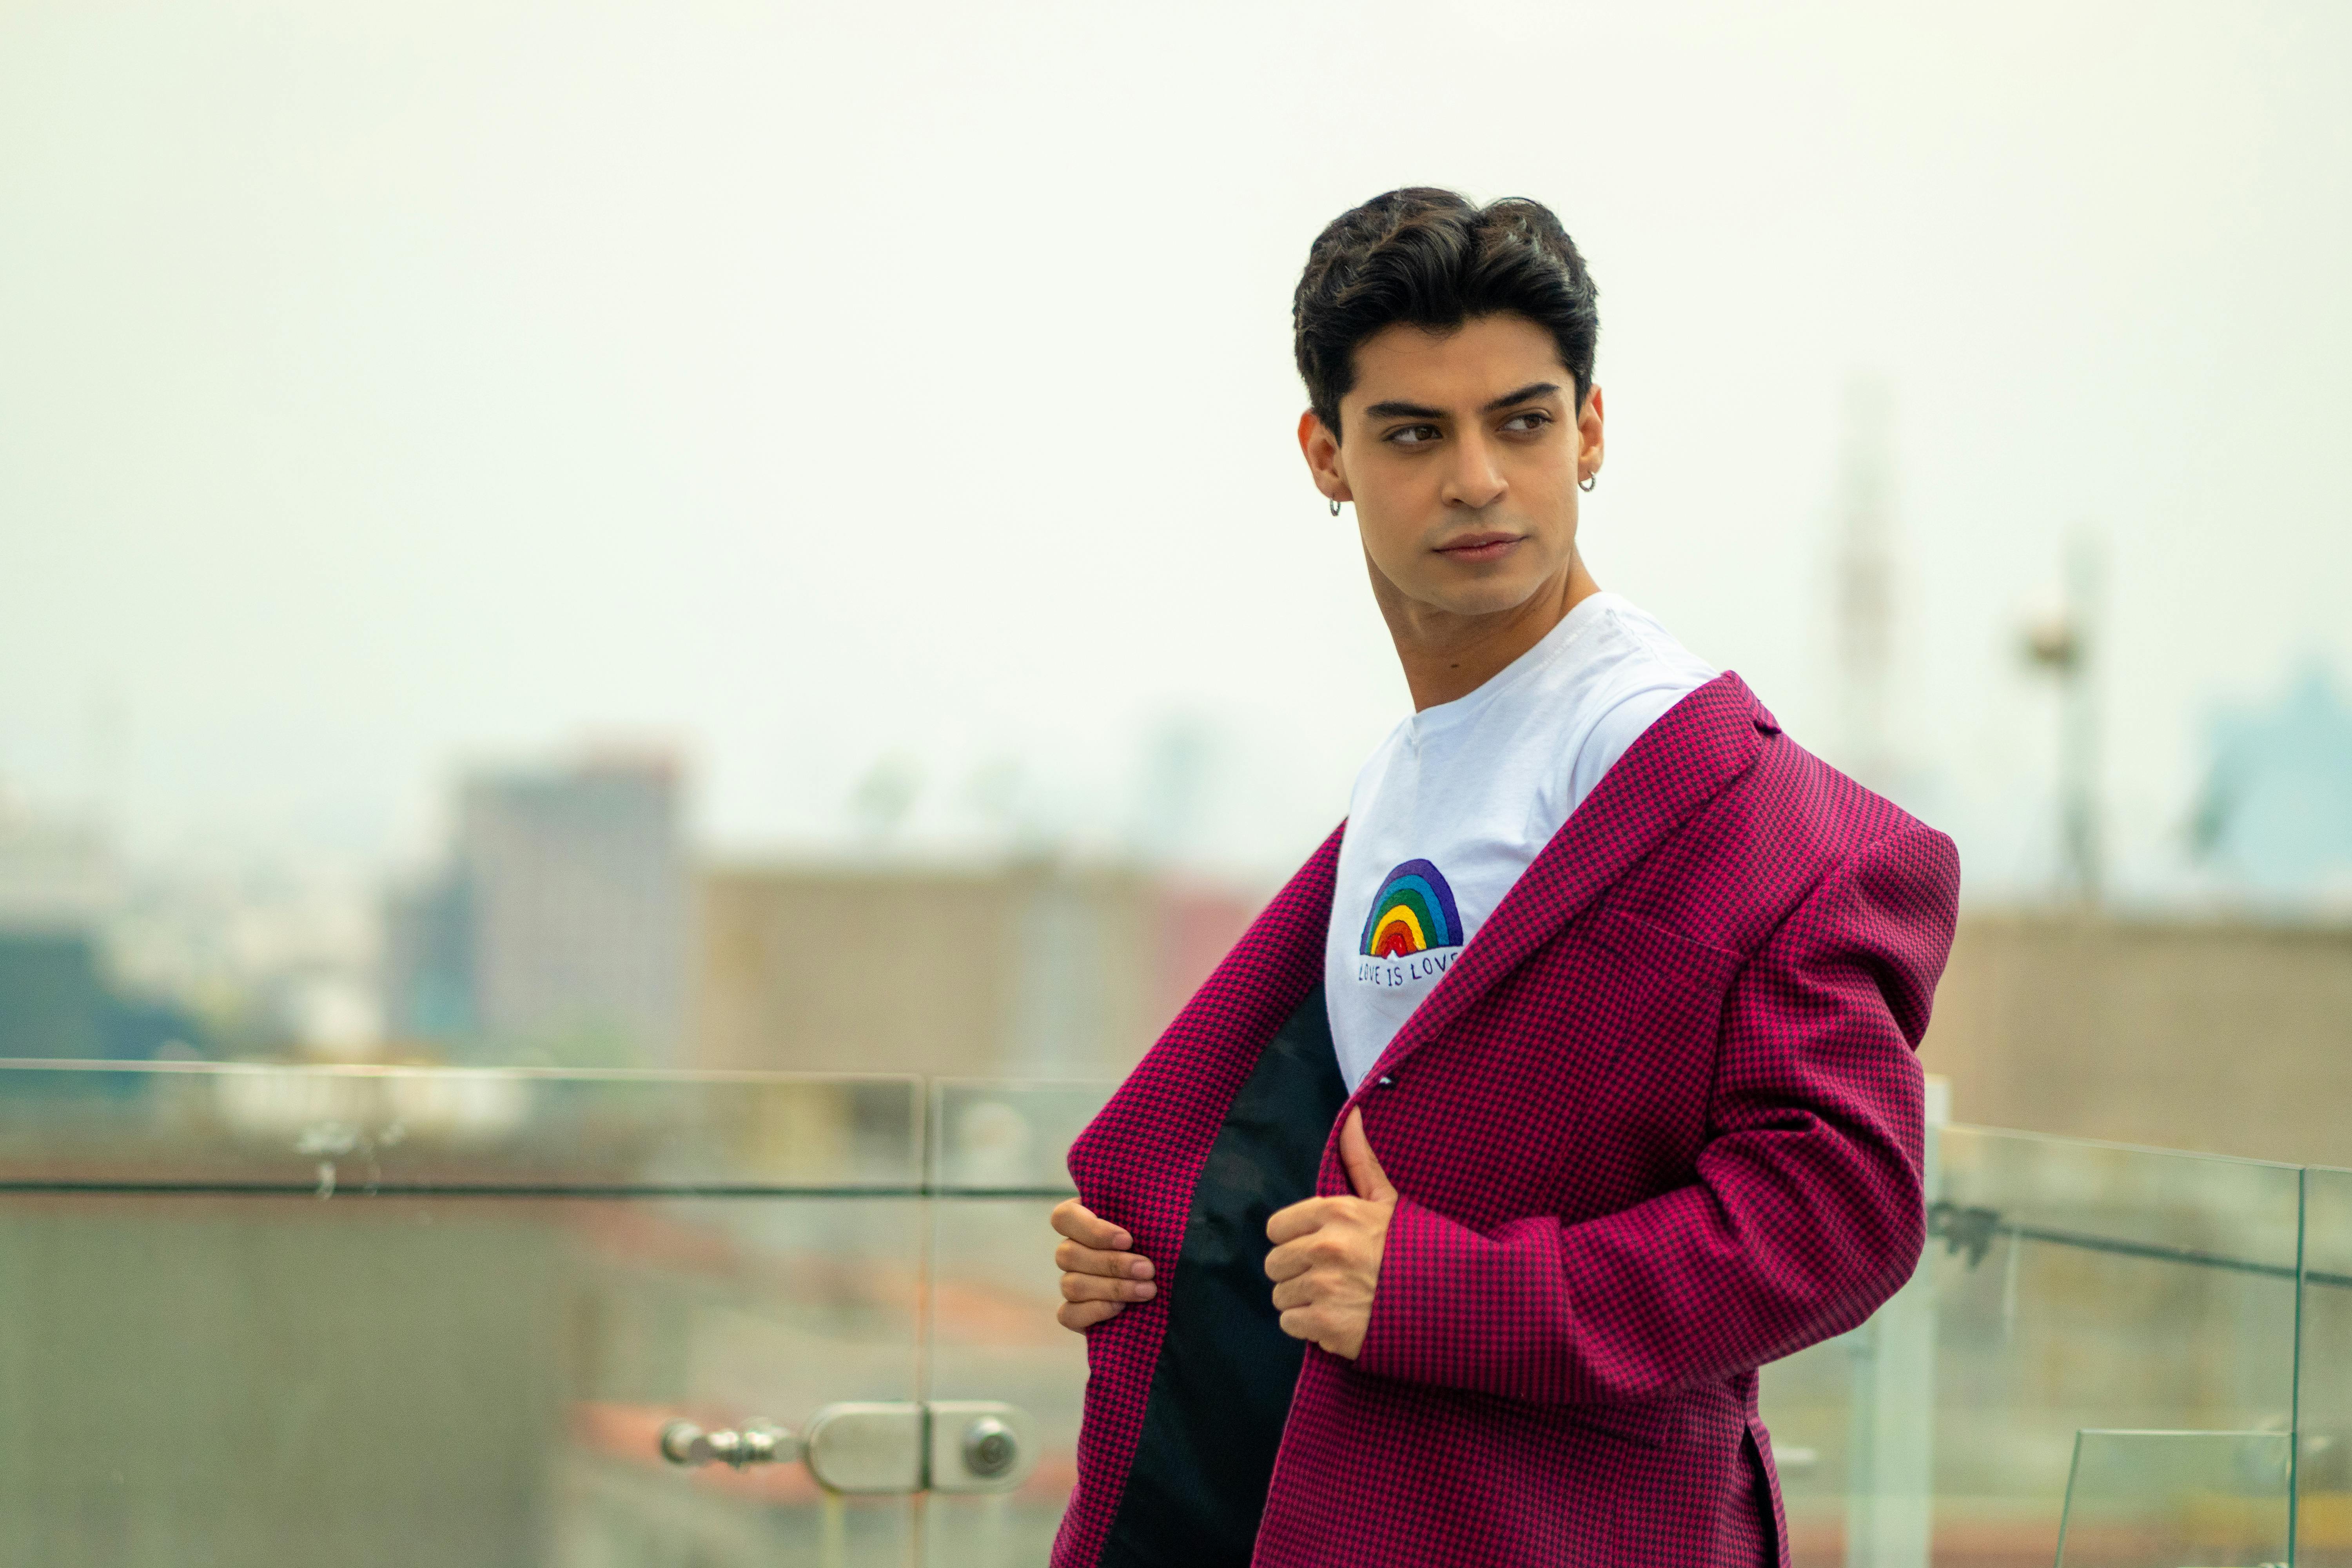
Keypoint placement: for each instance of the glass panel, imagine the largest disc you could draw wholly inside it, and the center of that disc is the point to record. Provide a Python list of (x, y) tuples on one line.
[(2066, 1285), (2087, 1285), (998, 1152), (1809, 1405), (257, 1315), (2324, 1371), (2177, 1499)]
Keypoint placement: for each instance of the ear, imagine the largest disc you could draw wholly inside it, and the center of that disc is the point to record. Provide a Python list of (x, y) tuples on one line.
[(1588, 435), (1321, 448)]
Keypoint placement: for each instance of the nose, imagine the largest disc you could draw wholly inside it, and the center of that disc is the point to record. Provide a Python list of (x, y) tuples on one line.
[(1474, 479)]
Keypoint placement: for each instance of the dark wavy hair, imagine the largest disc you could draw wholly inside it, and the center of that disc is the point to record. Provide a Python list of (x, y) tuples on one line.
[(1435, 258)]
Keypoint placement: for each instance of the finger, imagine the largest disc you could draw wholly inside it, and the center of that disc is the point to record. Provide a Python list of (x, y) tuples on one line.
[(1305, 1323), (1364, 1172), (1080, 1316), (1078, 1222), (1093, 1288), (1073, 1258), (1336, 1239), (1295, 1292), (1301, 1217), (1288, 1261)]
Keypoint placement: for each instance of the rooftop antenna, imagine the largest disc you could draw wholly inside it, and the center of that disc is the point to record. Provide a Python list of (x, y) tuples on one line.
[(2064, 646), (1866, 580)]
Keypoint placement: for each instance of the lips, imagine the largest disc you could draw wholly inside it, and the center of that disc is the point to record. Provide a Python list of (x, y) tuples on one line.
[(1477, 546)]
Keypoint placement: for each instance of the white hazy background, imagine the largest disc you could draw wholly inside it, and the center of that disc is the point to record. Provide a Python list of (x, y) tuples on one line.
[(387, 387)]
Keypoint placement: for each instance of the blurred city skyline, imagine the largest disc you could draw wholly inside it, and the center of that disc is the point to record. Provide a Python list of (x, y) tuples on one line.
[(889, 413)]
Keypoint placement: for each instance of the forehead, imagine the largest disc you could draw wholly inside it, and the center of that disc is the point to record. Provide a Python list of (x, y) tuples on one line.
[(1482, 359)]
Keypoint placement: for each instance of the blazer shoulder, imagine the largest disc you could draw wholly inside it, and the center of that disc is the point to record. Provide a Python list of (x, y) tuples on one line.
[(1787, 824), (1814, 808)]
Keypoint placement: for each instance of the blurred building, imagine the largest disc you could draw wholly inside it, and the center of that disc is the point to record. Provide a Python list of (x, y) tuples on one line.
[(276, 950), (58, 999), (558, 925), (2229, 1037), (2229, 1033), (1034, 970), (2276, 812)]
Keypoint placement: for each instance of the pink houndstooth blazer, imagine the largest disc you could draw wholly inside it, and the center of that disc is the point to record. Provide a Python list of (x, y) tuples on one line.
[(1661, 1123)]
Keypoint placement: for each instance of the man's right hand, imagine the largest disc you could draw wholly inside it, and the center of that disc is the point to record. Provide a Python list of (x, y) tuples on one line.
[(1099, 1275)]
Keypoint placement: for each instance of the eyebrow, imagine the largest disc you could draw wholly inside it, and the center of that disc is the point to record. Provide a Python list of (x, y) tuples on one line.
[(1526, 393)]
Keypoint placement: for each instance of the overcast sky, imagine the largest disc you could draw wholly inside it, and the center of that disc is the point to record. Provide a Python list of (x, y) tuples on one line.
[(384, 387)]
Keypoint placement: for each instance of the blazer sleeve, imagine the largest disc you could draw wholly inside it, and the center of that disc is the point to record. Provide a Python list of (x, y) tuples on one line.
[(1806, 1211)]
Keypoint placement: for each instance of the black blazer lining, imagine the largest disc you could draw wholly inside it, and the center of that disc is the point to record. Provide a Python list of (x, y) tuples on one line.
[(1220, 1389)]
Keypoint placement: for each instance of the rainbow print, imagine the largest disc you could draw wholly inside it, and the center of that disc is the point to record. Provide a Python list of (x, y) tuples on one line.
[(1413, 913)]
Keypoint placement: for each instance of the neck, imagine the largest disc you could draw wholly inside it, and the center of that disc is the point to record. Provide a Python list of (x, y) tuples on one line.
[(1448, 656)]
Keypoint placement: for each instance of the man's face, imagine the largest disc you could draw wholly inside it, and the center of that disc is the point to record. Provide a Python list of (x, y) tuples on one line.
[(1462, 454)]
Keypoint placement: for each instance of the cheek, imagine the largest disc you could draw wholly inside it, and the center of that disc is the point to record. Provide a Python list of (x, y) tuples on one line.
[(1393, 546), (1394, 484), (1546, 487)]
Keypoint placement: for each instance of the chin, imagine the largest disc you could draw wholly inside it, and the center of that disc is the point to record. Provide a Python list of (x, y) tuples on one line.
[(1479, 598)]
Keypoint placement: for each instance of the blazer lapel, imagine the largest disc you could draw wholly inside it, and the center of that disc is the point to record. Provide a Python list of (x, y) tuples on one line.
[(1678, 763)]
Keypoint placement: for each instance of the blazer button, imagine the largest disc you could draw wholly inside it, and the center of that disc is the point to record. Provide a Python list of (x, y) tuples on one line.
[(1385, 1081)]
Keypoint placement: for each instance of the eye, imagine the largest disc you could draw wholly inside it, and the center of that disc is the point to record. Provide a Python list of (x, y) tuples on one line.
[(1413, 434), (1532, 420)]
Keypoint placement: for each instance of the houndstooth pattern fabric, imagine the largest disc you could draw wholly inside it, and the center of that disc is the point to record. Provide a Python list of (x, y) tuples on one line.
[(1659, 1124)]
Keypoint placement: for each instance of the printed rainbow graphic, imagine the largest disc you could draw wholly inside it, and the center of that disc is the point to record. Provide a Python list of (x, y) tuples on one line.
[(1413, 913)]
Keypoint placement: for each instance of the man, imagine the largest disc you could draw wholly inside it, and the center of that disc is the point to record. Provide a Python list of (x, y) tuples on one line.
[(1568, 1083)]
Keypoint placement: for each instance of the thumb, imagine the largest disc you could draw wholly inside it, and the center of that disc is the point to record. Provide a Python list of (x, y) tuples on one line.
[(1364, 1172)]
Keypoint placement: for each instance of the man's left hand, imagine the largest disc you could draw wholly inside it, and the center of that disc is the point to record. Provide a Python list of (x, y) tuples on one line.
[(1326, 1261)]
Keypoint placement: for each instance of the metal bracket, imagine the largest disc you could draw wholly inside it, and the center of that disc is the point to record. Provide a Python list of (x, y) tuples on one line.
[(875, 1447), (759, 1443)]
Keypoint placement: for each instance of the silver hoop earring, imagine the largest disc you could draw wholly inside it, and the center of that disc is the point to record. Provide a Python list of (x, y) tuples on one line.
[(1588, 480), (1335, 508)]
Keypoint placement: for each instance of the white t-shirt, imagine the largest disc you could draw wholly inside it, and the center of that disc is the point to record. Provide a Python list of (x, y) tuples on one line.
[(1460, 798)]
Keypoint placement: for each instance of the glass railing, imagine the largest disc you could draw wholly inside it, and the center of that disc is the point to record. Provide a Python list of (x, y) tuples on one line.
[(997, 1166), (2176, 1496), (262, 1316), (267, 1315), (2141, 1351), (2322, 1456)]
